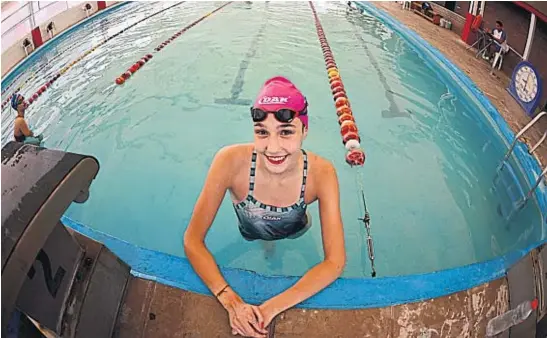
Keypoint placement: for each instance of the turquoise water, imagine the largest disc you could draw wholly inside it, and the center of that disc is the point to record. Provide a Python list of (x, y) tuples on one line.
[(431, 151)]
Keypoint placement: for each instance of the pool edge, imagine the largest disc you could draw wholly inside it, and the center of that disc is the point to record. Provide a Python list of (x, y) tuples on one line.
[(344, 293)]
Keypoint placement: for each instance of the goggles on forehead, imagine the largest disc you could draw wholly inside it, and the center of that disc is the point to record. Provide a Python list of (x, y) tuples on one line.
[(283, 115)]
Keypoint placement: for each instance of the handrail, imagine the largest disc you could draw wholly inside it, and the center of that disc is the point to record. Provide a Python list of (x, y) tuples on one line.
[(537, 183), (17, 24), (522, 202), (15, 11), (539, 142), (520, 133)]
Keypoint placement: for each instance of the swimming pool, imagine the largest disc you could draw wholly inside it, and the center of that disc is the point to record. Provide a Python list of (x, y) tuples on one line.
[(432, 150)]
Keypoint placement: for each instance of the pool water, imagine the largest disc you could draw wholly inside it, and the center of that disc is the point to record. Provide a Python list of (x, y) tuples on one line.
[(431, 151)]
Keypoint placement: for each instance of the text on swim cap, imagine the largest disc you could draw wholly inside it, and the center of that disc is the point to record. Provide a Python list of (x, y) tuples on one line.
[(273, 100)]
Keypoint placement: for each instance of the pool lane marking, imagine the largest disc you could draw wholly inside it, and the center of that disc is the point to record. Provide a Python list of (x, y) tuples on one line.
[(394, 110), (54, 78), (237, 86), (137, 65)]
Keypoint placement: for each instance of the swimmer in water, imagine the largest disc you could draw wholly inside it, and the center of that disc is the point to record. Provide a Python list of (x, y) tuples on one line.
[(271, 181), (21, 131)]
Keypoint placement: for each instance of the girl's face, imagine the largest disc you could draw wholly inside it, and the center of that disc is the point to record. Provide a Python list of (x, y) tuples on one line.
[(22, 106), (279, 143)]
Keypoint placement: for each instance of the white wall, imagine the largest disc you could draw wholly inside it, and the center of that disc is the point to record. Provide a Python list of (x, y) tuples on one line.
[(64, 20)]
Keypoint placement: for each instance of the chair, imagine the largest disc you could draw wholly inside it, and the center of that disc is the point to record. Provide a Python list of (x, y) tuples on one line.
[(26, 45), (498, 57), (49, 29), (87, 8), (504, 48)]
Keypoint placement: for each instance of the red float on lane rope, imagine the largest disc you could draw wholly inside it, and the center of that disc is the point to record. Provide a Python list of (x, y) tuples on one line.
[(135, 67), (42, 89)]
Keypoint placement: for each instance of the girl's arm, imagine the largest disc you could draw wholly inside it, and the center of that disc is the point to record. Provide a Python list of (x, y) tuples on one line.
[(205, 210), (243, 317), (326, 272), (25, 129)]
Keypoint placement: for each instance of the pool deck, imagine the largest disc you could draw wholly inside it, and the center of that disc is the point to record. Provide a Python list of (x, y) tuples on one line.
[(493, 86), (155, 310)]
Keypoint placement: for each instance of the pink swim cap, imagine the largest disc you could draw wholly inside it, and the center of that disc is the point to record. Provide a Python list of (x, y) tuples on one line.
[(280, 93)]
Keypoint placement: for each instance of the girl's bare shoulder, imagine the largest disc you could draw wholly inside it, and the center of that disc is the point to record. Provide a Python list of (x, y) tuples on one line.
[(319, 165), (235, 156)]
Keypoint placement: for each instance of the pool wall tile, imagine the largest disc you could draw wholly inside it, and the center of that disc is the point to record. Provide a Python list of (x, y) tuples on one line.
[(335, 323), (134, 313), (155, 310), (485, 302), (442, 317), (176, 313), (541, 273)]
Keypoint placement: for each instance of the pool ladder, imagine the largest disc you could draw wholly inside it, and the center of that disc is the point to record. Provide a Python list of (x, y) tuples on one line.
[(521, 203)]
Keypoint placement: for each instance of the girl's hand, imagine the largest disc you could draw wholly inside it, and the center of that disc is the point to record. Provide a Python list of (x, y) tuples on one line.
[(245, 319), (267, 314)]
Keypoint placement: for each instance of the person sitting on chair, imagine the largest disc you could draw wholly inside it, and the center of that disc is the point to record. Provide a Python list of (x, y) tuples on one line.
[(500, 37), (26, 45), (49, 29), (87, 8), (426, 7)]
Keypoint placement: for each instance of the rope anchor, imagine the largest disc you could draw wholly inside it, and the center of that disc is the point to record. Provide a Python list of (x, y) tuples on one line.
[(370, 246)]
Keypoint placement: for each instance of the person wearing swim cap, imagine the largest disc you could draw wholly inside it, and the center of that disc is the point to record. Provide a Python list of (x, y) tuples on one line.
[(271, 181), (21, 131)]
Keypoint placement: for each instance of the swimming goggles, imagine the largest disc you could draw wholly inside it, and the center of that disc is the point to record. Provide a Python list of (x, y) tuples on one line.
[(282, 115)]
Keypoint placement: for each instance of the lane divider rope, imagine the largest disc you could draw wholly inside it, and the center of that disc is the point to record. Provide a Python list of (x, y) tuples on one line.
[(54, 78), (137, 65), (32, 76), (355, 156)]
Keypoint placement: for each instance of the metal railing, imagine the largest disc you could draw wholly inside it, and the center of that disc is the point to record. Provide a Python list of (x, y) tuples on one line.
[(530, 151), (521, 132)]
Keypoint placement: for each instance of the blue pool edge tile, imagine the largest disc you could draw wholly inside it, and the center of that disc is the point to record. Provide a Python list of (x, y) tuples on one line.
[(344, 293)]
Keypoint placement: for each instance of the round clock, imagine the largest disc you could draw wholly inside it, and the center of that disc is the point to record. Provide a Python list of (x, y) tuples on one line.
[(525, 86)]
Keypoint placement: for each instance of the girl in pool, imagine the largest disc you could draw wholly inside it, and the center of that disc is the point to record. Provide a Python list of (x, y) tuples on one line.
[(270, 203), (21, 131)]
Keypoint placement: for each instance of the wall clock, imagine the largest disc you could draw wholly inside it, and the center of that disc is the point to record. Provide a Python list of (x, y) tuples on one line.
[(525, 86)]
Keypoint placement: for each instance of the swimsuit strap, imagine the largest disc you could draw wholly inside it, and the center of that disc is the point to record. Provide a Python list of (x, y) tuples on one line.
[(304, 175), (252, 175)]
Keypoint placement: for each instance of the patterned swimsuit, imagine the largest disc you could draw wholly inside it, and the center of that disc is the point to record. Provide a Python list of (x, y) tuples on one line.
[(266, 222)]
